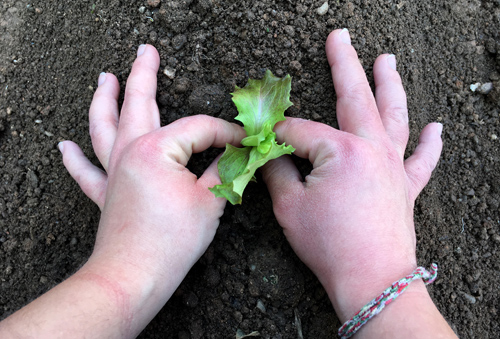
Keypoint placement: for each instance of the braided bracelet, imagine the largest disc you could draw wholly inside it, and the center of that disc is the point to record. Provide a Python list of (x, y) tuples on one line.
[(376, 305)]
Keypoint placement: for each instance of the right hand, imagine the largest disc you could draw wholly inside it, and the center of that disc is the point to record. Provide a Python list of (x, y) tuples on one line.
[(351, 219)]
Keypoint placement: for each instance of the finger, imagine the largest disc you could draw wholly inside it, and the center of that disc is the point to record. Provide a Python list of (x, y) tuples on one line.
[(283, 180), (92, 180), (195, 134), (103, 117), (312, 140), (356, 107), (140, 113), (420, 165), (391, 101)]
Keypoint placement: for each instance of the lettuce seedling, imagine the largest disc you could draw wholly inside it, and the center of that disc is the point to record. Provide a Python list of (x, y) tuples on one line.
[(261, 104)]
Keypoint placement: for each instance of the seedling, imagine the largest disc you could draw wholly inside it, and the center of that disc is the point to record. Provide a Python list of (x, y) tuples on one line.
[(261, 104)]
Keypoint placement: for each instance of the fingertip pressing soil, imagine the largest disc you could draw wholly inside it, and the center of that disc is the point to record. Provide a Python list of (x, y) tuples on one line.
[(249, 279)]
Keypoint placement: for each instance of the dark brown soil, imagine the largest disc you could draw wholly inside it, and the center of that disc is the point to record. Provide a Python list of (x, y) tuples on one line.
[(50, 57)]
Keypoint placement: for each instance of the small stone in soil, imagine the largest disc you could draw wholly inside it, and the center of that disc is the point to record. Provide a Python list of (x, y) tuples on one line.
[(154, 3), (469, 298), (169, 72), (486, 88), (323, 9), (260, 306)]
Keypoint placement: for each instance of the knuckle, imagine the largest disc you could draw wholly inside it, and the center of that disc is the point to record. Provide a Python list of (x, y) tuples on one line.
[(96, 130), (357, 91), (133, 92), (357, 157), (353, 148), (397, 113), (144, 151)]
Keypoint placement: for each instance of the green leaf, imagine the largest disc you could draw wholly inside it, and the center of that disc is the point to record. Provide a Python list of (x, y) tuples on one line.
[(237, 167), (261, 104)]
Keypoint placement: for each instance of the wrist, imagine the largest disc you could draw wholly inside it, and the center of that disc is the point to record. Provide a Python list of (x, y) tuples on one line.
[(359, 284), (132, 297)]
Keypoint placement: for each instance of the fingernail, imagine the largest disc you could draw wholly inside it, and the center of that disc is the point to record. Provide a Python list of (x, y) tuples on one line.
[(102, 79), (440, 128), (345, 37), (61, 146), (391, 60), (141, 50)]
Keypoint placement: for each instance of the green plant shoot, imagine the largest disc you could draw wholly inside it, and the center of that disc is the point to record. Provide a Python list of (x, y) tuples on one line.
[(261, 104)]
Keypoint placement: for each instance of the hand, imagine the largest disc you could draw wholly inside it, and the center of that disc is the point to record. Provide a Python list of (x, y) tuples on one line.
[(351, 219), (157, 217)]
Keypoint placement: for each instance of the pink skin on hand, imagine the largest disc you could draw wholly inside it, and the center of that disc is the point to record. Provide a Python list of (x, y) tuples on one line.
[(351, 219), (157, 216)]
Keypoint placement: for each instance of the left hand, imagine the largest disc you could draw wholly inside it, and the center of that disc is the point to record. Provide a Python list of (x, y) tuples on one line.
[(158, 218)]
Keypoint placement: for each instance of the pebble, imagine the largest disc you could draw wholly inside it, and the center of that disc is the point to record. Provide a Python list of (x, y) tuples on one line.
[(169, 72), (154, 3), (494, 137), (486, 88), (142, 9), (164, 42), (469, 298), (47, 133), (323, 9), (240, 334), (475, 86), (260, 306)]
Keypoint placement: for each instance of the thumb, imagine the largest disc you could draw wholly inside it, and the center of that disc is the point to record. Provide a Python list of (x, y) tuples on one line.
[(91, 179), (210, 177), (284, 183), (420, 165)]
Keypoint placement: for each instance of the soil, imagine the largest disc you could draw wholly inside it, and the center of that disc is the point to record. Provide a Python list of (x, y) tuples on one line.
[(249, 279)]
